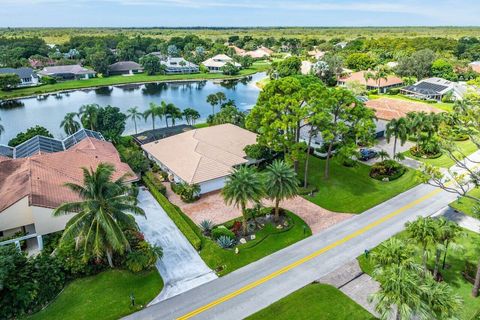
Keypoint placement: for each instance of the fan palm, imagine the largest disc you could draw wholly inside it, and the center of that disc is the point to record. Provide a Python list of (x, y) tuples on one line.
[(69, 124), (422, 231), (242, 186), (89, 115), (101, 213), (280, 183), (134, 114), (153, 111), (398, 129)]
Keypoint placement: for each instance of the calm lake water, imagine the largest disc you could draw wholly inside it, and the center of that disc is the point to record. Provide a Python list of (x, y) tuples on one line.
[(50, 112)]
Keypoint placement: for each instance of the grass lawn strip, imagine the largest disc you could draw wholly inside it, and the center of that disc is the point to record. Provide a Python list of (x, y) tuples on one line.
[(351, 189), (466, 205), (116, 80), (103, 296), (465, 147), (452, 275), (315, 301)]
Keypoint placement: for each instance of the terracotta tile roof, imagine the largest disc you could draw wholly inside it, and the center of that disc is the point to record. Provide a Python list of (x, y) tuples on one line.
[(359, 76), (203, 154), (42, 177), (388, 109)]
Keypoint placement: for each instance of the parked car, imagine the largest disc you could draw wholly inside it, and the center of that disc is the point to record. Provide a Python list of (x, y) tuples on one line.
[(367, 154)]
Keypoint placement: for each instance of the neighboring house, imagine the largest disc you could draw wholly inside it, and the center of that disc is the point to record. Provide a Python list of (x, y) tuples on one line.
[(27, 75), (317, 54), (389, 109), (216, 63), (68, 72), (203, 156), (259, 53), (238, 50), (41, 63), (179, 65), (384, 85), (158, 54), (435, 89), (32, 187), (475, 65), (124, 67)]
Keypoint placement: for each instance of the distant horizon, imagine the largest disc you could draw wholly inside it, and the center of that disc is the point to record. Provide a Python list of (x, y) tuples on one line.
[(240, 27), (238, 13)]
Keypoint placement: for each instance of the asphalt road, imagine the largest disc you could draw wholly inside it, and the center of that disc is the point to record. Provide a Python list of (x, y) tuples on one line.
[(263, 282)]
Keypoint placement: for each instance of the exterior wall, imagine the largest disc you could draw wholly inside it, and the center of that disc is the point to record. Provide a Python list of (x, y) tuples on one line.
[(212, 185), (46, 223), (17, 215)]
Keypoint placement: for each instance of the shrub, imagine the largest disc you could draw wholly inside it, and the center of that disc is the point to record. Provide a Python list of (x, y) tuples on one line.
[(387, 169), (143, 257), (175, 214), (307, 191), (206, 226), (393, 91), (156, 182), (225, 242), (222, 231)]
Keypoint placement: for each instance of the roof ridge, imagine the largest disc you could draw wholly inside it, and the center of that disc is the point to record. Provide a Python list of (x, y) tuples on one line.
[(226, 151)]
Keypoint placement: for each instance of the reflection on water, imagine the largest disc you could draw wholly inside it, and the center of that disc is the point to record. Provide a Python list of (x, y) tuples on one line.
[(49, 111)]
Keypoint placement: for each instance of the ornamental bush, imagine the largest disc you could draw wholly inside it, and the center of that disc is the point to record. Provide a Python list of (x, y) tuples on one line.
[(222, 231), (387, 169)]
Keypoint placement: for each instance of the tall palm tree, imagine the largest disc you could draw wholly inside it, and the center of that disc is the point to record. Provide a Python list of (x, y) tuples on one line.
[(69, 124), (164, 111), (191, 115), (134, 114), (398, 129), (212, 99), (383, 155), (89, 115), (280, 183), (101, 213), (422, 231), (173, 113), (380, 73), (394, 252), (153, 111), (441, 300), (242, 186)]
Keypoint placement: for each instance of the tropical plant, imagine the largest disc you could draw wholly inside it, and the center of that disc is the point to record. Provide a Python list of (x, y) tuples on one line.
[(69, 124), (215, 99), (422, 231), (383, 155), (399, 156), (27, 135), (144, 257), (244, 185), (153, 112), (380, 73), (398, 129), (102, 211), (191, 115), (206, 226), (441, 300), (172, 112), (222, 231), (445, 234), (134, 114), (225, 242), (394, 252), (280, 183), (89, 116)]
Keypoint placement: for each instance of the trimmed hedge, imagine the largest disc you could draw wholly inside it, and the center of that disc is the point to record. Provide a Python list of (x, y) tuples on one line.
[(219, 231), (156, 182), (174, 214)]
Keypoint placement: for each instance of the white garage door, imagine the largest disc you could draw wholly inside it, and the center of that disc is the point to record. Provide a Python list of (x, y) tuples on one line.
[(212, 185)]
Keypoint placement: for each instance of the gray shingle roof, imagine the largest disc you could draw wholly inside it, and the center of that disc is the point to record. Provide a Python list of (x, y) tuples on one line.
[(124, 66), (23, 72)]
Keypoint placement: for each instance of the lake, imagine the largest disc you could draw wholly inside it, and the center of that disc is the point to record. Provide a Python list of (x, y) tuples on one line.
[(25, 113)]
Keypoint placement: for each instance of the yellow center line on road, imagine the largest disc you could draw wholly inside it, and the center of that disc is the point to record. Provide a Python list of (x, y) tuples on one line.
[(309, 257)]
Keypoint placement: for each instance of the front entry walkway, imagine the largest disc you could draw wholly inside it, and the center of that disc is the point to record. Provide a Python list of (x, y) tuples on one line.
[(181, 267)]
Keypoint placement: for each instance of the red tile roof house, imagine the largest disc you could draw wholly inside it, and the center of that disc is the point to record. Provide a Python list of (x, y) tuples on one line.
[(371, 84), (32, 187)]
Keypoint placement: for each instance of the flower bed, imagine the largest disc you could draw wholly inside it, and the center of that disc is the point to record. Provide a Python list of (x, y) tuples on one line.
[(387, 170)]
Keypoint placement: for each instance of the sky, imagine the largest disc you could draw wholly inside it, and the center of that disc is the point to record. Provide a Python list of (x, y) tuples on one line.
[(229, 13)]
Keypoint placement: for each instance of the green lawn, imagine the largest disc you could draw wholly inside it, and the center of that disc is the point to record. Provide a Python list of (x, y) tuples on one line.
[(448, 107), (138, 78), (351, 190), (466, 205), (103, 296), (315, 301), (201, 125), (452, 275), (268, 240), (465, 147)]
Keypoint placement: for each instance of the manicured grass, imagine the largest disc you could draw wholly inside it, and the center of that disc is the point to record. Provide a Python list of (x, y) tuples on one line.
[(138, 78), (465, 147), (466, 205), (448, 107), (351, 190), (103, 296), (201, 125), (315, 301), (453, 274), (268, 240)]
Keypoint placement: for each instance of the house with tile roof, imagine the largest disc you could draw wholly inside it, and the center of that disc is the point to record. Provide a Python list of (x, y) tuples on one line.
[(68, 72), (216, 63), (32, 187), (383, 85), (204, 156)]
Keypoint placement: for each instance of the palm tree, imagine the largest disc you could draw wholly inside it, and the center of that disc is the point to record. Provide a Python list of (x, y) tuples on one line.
[(422, 231), (2, 129), (394, 252), (69, 124), (134, 114), (164, 111), (242, 186), (212, 99), (442, 302), (398, 129), (102, 212), (380, 73), (172, 112), (153, 111), (399, 156), (191, 115), (383, 155), (89, 115), (280, 183)]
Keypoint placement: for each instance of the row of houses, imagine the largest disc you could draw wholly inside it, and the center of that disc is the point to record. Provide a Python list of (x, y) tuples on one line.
[(259, 53)]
